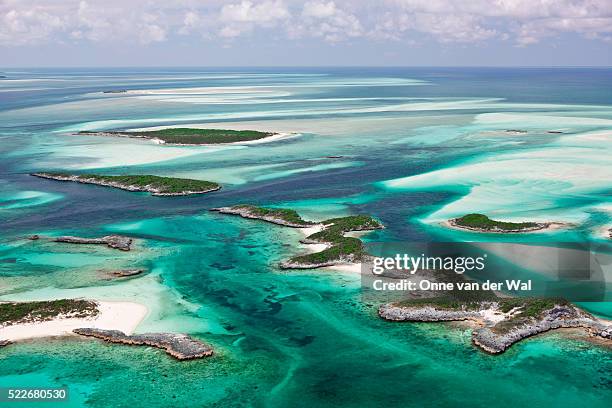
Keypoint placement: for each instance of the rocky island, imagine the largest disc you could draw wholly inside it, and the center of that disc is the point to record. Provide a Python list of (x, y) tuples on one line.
[(126, 273), (340, 249), (500, 322), (179, 346), (188, 136), (279, 216), (482, 223), (156, 185), (112, 241)]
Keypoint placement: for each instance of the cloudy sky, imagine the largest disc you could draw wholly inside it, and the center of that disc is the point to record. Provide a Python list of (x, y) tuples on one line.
[(317, 32)]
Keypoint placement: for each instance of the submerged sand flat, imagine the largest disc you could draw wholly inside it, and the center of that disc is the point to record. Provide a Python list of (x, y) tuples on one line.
[(523, 185)]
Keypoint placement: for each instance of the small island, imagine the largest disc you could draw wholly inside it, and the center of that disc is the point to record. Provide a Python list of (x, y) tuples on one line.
[(156, 185), (482, 223), (188, 136), (279, 216), (500, 322), (179, 346), (340, 249), (125, 273), (111, 241)]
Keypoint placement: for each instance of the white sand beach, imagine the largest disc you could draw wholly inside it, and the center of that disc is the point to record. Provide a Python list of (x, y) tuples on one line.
[(311, 230), (349, 267), (122, 316)]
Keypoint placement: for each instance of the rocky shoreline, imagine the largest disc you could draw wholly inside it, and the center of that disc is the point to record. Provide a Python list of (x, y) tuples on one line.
[(343, 260), (112, 241), (497, 334), (424, 313), (124, 273), (246, 212), (128, 187), (179, 346)]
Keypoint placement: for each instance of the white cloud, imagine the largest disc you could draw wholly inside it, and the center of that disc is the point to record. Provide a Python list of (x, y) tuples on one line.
[(241, 18), (191, 19), (151, 29), (326, 20), (92, 23), (250, 12), (527, 21), (524, 22), (233, 31), (22, 27), (319, 9), (445, 28)]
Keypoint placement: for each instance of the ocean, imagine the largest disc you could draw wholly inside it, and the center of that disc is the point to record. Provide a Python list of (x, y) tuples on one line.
[(410, 146)]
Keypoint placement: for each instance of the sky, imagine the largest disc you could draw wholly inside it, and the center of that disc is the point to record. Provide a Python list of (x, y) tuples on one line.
[(90, 33)]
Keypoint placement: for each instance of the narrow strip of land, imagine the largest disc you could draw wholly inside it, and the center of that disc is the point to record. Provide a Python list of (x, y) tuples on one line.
[(189, 136), (156, 185), (482, 223), (279, 216), (179, 346)]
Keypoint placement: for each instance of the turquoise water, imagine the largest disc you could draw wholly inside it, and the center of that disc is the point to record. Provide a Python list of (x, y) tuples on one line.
[(417, 146)]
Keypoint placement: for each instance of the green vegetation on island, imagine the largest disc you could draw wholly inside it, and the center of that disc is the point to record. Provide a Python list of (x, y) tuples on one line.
[(455, 299), (462, 299), (26, 312), (291, 217), (341, 248), (347, 250), (156, 185), (525, 307), (190, 136), (335, 228), (481, 222), (501, 321)]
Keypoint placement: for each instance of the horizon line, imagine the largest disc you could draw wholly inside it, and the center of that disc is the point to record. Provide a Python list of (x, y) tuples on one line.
[(301, 66)]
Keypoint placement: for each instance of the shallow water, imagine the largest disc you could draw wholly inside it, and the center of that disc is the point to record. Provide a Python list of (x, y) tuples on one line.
[(418, 146)]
